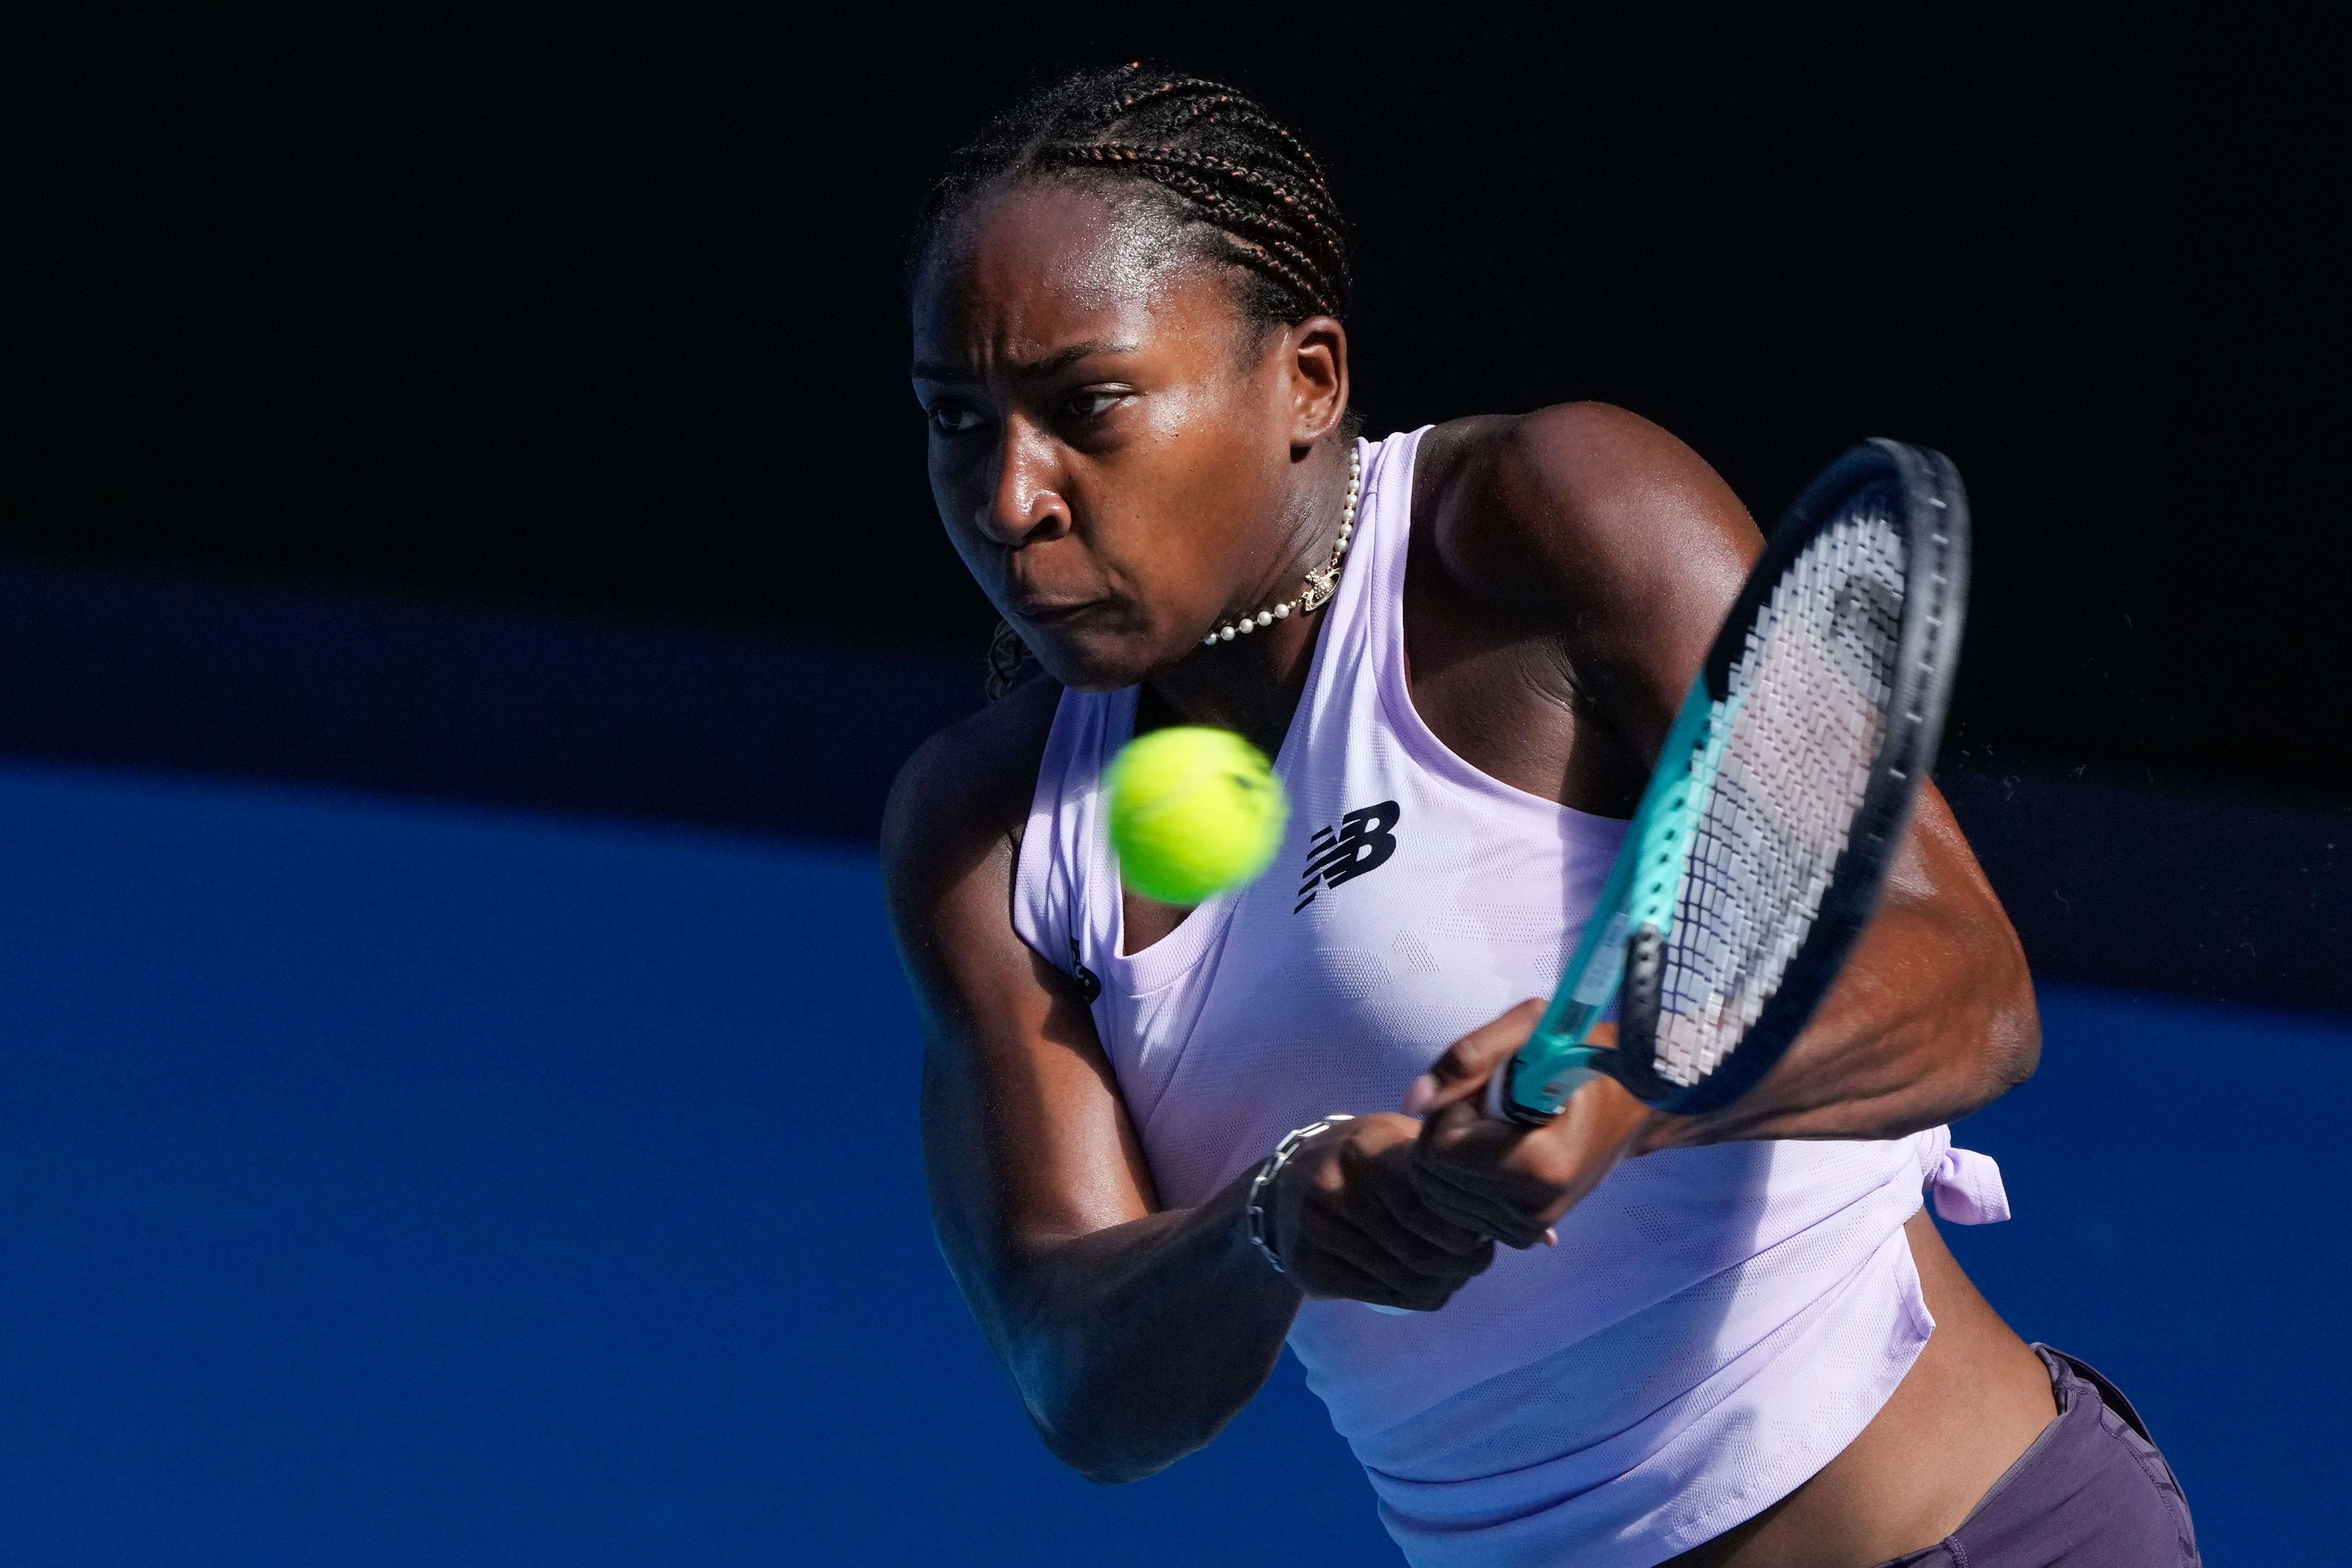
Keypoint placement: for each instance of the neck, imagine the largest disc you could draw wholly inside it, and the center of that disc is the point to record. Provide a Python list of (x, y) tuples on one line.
[(1253, 684)]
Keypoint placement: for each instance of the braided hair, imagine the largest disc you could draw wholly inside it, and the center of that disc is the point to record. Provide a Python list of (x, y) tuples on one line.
[(1238, 185), (1237, 177)]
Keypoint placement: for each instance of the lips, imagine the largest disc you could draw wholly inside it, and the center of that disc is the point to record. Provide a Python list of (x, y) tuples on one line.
[(1051, 611)]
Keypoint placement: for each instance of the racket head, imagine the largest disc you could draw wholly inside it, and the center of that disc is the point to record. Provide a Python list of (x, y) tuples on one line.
[(1829, 681)]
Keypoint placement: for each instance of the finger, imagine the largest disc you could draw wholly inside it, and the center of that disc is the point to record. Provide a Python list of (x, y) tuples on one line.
[(1378, 1220), (1502, 1157), (1327, 1276), (1463, 1128), (1429, 1295), (1541, 1175), (1593, 1132), (1437, 1291), (1467, 1063), (1390, 1177), (1455, 1208), (1513, 1190), (1325, 1237), (1338, 1237), (1504, 1165), (1502, 1215), (1412, 1214)]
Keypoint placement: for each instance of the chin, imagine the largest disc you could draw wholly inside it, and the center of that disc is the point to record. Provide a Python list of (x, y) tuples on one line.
[(1099, 661)]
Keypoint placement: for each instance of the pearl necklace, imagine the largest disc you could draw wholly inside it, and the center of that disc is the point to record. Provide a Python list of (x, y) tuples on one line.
[(1320, 585)]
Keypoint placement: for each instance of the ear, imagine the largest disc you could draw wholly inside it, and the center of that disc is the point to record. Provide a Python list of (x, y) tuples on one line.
[(1314, 367)]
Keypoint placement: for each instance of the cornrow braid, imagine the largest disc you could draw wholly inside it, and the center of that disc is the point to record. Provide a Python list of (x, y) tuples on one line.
[(1223, 161), (1250, 241)]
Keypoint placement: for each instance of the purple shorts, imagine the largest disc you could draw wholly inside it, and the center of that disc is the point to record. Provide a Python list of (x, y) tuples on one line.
[(2090, 1492)]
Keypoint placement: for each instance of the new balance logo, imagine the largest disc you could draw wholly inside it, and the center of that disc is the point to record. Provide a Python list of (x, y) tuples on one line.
[(1363, 842), (1089, 984)]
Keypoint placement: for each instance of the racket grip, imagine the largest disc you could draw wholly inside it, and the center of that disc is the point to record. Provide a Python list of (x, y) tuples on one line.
[(1559, 1066), (1494, 1093)]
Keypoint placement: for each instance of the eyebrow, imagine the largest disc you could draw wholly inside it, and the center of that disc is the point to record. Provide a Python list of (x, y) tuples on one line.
[(1035, 370)]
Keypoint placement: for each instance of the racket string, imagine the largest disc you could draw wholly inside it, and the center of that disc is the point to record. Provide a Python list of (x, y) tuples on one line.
[(1795, 740)]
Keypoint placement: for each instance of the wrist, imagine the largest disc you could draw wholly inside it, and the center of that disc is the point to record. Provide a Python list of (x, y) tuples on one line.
[(1259, 1204), (1655, 1130)]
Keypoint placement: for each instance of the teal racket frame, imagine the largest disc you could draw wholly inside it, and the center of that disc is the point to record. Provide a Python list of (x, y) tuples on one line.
[(1922, 492)]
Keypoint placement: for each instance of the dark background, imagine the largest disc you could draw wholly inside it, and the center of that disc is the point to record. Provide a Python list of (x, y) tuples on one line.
[(583, 311)]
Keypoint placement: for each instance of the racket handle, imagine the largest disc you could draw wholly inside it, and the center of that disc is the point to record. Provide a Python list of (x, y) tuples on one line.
[(1566, 1069), (1494, 1093)]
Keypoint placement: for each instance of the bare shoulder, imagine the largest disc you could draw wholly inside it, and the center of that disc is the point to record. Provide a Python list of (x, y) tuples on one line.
[(1587, 543), (1579, 498), (960, 801)]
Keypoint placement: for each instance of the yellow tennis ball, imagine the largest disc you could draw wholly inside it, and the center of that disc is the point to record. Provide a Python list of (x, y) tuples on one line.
[(1194, 811)]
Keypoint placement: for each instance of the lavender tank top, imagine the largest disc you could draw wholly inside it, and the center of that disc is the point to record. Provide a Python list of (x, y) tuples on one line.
[(1715, 1323)]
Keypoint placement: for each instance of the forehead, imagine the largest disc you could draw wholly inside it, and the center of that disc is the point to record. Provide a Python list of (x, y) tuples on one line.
[(1026, 270)]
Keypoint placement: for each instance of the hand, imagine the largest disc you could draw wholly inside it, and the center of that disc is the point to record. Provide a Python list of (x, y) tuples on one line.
[(1498, 1178), (1348, 1220)]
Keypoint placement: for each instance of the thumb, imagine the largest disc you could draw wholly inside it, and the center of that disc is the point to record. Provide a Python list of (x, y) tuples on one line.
[(1469, 1061)]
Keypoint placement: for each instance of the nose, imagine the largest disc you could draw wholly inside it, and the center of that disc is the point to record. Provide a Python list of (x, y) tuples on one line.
[(1024, 503)]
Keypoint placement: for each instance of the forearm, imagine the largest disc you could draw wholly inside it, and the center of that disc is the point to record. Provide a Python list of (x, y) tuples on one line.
[(1933, 1018), (1132, 1346)]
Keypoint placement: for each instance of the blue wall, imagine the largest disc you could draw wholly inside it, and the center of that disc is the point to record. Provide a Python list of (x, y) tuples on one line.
[(393, 1183)]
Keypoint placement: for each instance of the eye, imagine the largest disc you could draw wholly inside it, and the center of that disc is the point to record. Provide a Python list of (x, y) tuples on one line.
[(953, 419), (1093, 402)]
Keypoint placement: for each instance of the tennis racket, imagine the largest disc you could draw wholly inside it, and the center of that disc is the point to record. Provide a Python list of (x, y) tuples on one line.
[(1764, 839)]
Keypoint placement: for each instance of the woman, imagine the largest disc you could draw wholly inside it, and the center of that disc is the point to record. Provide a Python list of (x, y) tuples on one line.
[(1733, 1339)]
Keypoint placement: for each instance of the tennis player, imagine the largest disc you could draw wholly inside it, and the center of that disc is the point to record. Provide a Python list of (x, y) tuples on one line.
[(1730, 1340)]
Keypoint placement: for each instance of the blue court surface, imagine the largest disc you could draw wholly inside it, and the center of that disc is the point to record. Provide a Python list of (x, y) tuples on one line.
[(393, 1183)]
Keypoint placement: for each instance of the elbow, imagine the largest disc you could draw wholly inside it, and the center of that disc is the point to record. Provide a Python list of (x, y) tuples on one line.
[(1080, 1421), (2016, 1054), (1102, 1470), (2010, 1041), (1085, 1418), (1113, 1434), (2019, 1055), (1106, 1457)]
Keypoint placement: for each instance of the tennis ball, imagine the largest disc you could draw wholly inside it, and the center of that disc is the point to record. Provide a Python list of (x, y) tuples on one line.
[(1194, 811)]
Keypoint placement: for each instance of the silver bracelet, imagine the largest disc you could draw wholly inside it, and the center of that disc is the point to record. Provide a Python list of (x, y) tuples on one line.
[(1255, 1209)]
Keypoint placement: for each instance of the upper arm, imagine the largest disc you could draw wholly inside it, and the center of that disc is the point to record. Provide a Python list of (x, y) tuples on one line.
[(1618, 541), (1026, 1138), (1611, 537)]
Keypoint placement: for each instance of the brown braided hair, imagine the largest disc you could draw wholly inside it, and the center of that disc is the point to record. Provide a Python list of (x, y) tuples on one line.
[(1239, 182), (1256, 192)]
